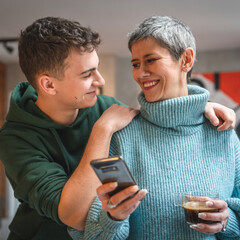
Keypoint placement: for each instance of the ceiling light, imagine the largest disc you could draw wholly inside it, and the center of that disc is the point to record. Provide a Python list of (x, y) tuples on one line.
[(5, 42)]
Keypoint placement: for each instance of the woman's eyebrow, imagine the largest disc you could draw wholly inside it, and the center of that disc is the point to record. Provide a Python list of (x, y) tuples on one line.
[(145, 56)]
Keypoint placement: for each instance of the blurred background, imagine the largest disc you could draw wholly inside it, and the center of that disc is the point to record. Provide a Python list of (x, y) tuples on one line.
[(214, 23)]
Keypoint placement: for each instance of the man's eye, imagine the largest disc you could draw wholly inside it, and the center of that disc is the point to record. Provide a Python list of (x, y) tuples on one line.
[(87, 76)]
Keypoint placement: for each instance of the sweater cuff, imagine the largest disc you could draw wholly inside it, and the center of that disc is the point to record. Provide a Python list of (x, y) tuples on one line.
[(96, 214), (74, 233), (99, 216), (111, 225)]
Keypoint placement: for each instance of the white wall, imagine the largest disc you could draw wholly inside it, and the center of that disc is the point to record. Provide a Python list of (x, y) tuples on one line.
[(107, 69), (126, 88), (14, 76), (218, 61)]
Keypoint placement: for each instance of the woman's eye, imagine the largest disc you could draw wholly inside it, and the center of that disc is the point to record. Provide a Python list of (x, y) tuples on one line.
[(135, 65), (151, 60)]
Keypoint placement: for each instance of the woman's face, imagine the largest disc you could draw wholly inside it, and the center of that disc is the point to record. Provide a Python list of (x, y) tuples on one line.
[(158, 74)]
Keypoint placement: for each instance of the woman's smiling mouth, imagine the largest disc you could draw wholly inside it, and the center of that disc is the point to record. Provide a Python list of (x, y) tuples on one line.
[(150, 84)]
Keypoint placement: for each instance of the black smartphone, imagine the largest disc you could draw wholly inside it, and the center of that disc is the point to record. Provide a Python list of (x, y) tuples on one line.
[(113, 169)]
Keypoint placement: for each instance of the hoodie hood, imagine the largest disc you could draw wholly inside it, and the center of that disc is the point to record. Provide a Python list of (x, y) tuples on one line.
[(24, 110)]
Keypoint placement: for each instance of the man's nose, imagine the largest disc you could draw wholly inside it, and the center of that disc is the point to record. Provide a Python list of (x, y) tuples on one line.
[(99, 80)]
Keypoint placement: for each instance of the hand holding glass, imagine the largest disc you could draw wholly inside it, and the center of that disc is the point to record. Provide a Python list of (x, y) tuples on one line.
[(194, 203)]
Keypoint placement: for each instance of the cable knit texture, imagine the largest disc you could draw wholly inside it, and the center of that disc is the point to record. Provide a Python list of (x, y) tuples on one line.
[(170, 148)]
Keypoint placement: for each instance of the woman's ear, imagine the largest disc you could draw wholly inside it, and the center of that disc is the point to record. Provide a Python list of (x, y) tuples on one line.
[(46, 84), (188, 59)]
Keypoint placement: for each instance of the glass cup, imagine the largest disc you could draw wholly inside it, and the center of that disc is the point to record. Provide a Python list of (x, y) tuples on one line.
[(194, 203)]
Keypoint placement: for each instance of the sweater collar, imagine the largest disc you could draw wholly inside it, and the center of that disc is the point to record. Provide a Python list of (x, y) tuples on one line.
[(177, 112)]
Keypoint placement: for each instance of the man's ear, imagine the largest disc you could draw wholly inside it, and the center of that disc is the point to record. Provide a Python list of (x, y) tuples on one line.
[(46, 84), (188, 59)]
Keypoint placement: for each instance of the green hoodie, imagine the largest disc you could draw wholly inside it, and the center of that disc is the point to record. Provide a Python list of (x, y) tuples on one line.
[(39, 156)]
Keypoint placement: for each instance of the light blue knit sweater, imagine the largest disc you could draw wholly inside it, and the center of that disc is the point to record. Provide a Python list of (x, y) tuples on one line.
[(170, 148)]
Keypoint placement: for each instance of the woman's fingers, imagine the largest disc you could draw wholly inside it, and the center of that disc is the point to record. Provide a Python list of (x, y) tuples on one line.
[(121, 204), (125, 208), (216, 217), (218, 204), (220, 217), (208, 228), (104, 189), (124, 194)]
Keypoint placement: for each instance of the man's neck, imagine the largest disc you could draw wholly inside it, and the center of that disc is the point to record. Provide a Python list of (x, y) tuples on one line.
[(56, 114)]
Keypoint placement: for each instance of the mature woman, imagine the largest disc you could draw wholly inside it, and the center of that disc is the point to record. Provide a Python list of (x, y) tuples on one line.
[(169, 147)]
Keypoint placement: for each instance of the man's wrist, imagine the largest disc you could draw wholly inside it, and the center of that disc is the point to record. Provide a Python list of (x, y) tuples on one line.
[(103, 128)]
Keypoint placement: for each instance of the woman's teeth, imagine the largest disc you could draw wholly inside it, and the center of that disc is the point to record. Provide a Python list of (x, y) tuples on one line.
[(150, 84)]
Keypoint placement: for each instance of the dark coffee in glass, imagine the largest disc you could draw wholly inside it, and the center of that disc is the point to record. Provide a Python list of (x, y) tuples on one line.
[(192, 209), (194, 203)]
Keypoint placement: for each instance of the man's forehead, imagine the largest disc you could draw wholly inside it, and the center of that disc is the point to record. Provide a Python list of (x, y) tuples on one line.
[(82, 59)]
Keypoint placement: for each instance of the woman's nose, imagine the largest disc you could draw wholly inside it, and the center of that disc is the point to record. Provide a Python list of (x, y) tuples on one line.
[(143, 71)]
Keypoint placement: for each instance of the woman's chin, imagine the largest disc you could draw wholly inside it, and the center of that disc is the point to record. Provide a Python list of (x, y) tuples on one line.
[(152, 99)]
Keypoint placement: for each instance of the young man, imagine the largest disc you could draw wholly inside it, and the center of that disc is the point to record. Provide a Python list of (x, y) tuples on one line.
[(56, 124)]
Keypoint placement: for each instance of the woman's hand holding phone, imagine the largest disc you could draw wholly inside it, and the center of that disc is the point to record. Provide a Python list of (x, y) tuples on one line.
[(119, 194), (123, 203)]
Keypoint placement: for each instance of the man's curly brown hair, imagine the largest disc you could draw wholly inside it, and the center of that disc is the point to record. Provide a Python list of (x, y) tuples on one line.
[(45, 44)]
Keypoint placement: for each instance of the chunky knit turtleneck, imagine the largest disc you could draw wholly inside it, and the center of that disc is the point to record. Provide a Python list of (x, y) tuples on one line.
[(171, 148), (182, 114), (176, 112)]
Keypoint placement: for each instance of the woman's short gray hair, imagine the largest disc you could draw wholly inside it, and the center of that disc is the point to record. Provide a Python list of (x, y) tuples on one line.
[(170, 33)]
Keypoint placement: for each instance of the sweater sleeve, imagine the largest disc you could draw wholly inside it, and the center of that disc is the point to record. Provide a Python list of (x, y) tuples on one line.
[(100, 226), (115, 146), (233, 225)]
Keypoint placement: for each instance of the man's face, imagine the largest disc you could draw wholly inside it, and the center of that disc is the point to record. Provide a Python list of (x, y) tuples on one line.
[(81, 78)]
